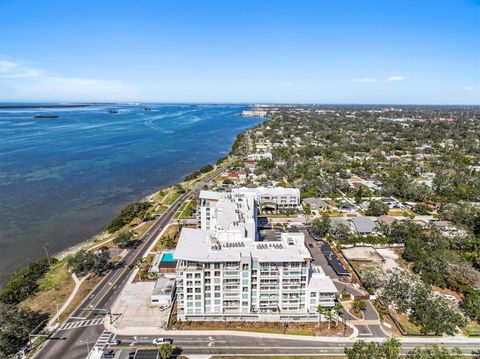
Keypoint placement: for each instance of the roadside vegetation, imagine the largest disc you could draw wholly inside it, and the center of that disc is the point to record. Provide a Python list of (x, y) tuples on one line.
[(390, 349)]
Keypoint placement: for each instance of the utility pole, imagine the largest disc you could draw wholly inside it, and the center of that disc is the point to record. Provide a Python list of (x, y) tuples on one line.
[(45, 247)]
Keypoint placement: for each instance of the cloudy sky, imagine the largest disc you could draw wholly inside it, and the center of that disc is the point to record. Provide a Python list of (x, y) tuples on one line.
[(319, 51)]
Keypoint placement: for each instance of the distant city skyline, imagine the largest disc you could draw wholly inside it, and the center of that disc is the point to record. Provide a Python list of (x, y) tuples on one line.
[(341, 52)]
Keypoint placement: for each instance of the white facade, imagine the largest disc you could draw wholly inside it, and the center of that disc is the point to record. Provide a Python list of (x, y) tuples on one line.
[(223, 272), (277, 198)]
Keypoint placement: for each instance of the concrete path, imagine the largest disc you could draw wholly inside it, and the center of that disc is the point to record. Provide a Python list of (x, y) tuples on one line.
[(78, 282)]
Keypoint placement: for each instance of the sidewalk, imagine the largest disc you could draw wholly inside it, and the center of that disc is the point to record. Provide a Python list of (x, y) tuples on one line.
[(78, 282), (136, 331)]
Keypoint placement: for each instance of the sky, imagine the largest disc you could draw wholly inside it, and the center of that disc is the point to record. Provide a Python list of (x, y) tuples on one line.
[(275, 51)]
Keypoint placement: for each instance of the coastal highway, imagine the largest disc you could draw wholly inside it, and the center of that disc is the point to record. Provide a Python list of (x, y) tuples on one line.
[(72, 343), (83, 331)]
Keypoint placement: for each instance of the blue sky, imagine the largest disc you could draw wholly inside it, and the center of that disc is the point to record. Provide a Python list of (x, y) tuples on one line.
[(319, 51)]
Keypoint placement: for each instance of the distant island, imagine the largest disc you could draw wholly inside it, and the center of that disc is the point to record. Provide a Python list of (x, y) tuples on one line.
[(45, 116)]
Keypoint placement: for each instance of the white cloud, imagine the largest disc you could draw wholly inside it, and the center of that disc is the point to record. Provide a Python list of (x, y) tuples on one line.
[(469, 88), (365, 80), (288, 83), (26, 83), (9, 69), (395, 78)]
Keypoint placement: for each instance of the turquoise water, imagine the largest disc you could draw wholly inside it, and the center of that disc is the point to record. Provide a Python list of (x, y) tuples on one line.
[(167, 257), (62, 180)]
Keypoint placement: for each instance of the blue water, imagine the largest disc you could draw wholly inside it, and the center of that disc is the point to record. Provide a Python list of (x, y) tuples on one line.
[(168, 257), (62, 180)]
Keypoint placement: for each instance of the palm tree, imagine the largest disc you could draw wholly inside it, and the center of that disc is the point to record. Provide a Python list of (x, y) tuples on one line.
[(45, 247), (166, 350), (330, 317), (320, 311), (392, 348), (337, 309)]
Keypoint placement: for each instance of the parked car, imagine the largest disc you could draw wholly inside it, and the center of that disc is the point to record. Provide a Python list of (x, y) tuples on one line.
[(448, 297), (310, 245), (108, 354), (114, 342), (160, 341)]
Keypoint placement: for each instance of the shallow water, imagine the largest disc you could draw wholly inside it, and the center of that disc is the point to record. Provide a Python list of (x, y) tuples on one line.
[(62, 180)]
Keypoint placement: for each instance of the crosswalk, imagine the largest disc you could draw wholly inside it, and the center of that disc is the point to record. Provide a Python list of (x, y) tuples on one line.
[(80, 323), (103, 340)]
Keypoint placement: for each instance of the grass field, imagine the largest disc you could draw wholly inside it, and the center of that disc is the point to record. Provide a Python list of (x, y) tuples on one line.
[(54, 289), (82, 293)]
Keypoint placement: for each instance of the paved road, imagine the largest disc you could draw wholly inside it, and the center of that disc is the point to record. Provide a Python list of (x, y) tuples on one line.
[(101, 298), (231, 344)]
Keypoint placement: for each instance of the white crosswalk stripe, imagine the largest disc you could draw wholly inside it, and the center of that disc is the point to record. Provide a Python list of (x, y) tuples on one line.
[(103, 340), (80, 324)]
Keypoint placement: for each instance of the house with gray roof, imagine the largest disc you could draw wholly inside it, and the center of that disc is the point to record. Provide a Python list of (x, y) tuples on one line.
[(363, 225)]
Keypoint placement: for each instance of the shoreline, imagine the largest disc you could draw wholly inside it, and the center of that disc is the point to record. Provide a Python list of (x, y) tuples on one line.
[(101, 236)]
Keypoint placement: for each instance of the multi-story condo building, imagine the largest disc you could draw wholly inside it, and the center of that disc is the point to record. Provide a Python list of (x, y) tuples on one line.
[(225, 273), (278, 199)]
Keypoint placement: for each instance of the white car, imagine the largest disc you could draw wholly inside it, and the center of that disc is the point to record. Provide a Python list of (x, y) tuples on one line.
[(113, 342), (160, 341), (448, 297)]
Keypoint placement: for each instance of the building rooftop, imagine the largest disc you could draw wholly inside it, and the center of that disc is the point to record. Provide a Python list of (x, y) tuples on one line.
[(320, 282), (204, 246), (164, 286), (363, 224)]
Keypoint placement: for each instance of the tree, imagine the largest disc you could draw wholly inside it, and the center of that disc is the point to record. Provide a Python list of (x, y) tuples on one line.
[(471, 304), (376, 208), (24, 282), (373, 277), (16, 324), (321, 226), (363, 350), (122, 240), (321, 311), (359, 304), (340, 231), (45, 248), (84, 262), (434, 353), (166, 350), (391, 348)]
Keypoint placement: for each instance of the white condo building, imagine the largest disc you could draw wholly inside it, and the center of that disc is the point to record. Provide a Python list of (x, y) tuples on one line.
[(274, 198), (225, 273)]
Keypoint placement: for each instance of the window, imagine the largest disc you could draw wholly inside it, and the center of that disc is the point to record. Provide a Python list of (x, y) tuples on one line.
[(245, 266), (189, 290), (245, 289), (198, 296), (208, 288), (217, 265), (198, 275), (217, 288), (198, 290), (217, 273)]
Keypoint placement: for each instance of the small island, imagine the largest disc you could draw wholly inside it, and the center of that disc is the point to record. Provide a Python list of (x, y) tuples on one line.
[(45, 116)]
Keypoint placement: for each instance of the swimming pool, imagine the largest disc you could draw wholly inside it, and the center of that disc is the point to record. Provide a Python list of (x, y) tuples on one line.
[(168, 257)]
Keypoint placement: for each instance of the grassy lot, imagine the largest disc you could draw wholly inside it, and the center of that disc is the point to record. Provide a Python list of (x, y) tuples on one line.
[(472, 329), (406, 324), (170, 198), (82, 293), (188, 210), (54, 288), (171, 231)]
